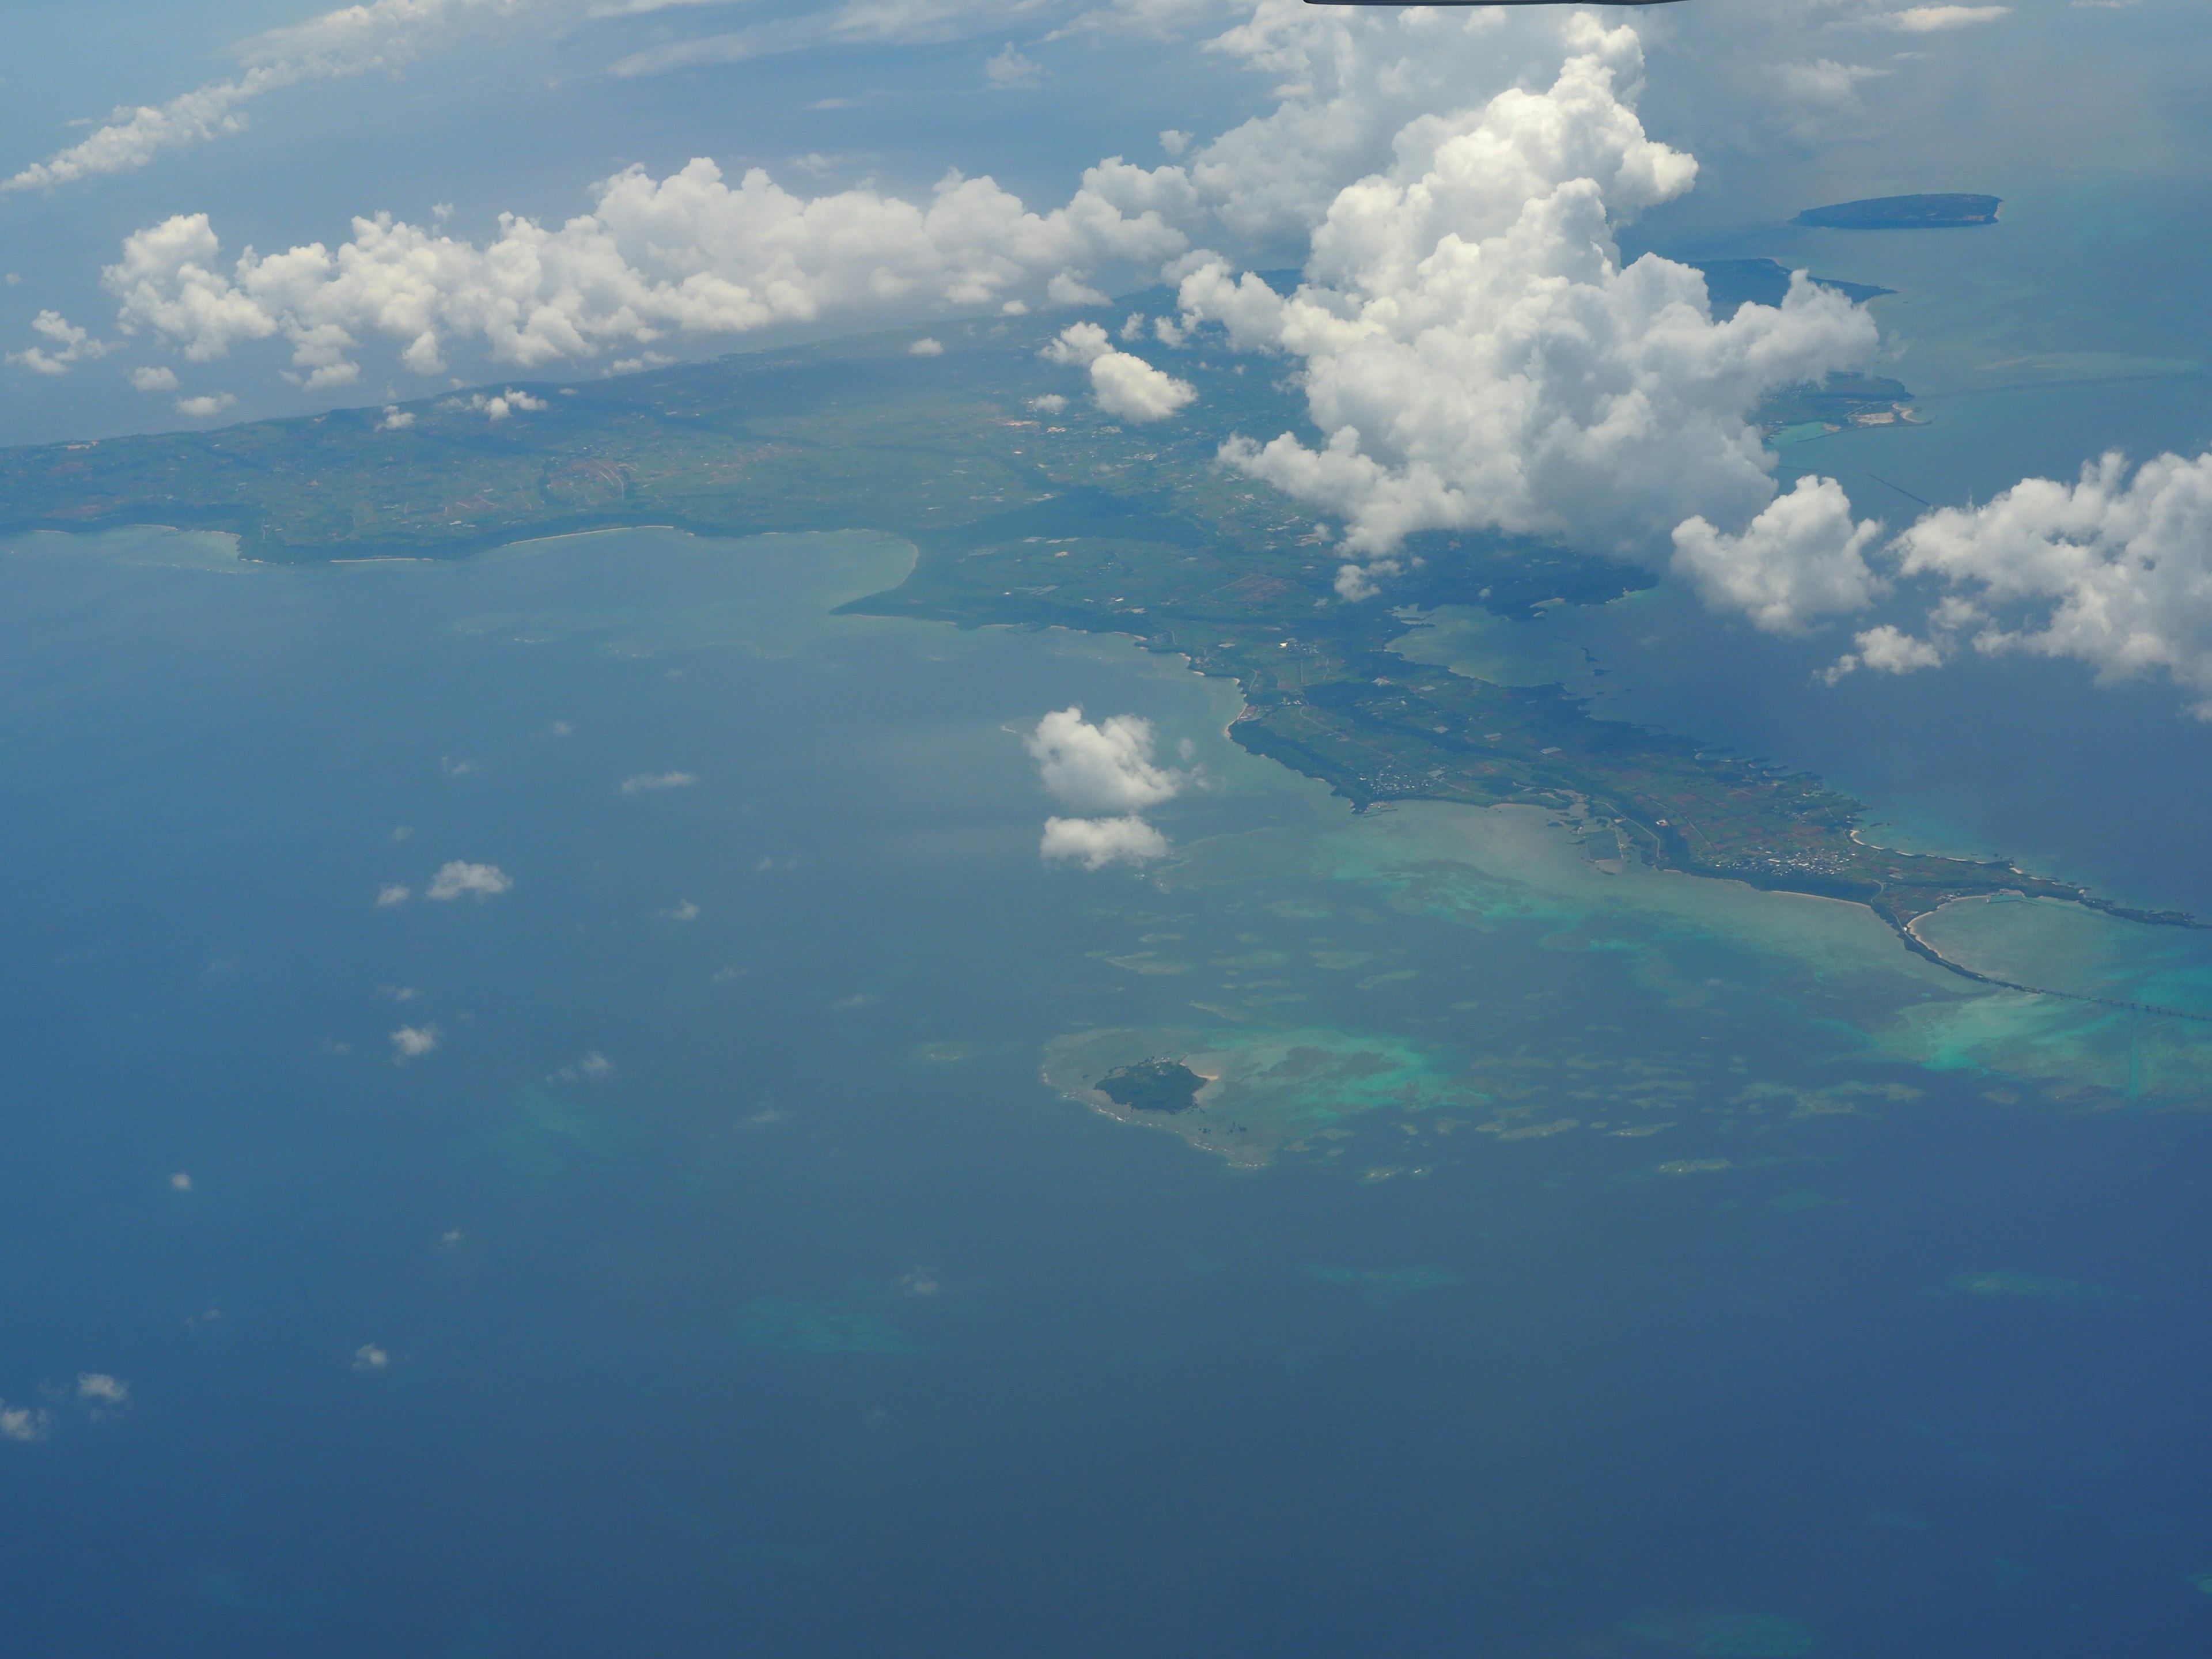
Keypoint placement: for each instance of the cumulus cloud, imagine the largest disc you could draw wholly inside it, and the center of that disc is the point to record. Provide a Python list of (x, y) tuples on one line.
[(2114, 571), (1123, 385), (351, 40), (455, 879), (1802, 558), (370, 1357), (207, 406), (22, 1423), (687, 255), (647, 782), (413, 1042), (927, 347), (496, 407), (70, 344), (1479, 357), (1097, 842), (102, 1389), (392, 893), (1888, 649), (155, 378), (1106, 767)]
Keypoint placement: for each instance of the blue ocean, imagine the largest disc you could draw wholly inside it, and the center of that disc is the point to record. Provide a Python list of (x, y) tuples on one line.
[(539, 1122)]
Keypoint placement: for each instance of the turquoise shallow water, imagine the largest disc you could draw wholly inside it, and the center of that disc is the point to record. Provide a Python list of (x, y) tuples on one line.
[(1610, 1263)]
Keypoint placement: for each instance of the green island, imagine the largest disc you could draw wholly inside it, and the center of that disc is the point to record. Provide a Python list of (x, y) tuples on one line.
[(1029, 512), (1937, 212), (1152, 1085)]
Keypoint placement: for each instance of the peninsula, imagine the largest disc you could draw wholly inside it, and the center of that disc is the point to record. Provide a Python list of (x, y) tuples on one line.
[(1029, 511)]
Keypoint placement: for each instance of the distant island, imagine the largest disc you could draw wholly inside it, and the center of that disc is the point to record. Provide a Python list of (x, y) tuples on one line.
[(1903, 213), (1733, 284)]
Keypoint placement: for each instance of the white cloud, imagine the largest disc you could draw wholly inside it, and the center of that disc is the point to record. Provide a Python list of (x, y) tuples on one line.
[(1926, 20), (1122, 385), (158, 378), (456, 878), (1888, 649), (1802, 558), (1097, 843), (682, 910), (645, 782), (1479, 357), (1051, 403), (101, 1387), (1010, 68), (370, 1357), (72, 345), (182, 1181), (2113, 571), (205, 407), (393, 893), (351, 40), (396, 419), (1106, 767), (926, 347), (495, 407), (22, 1423), (688, 255), (413, 1042)]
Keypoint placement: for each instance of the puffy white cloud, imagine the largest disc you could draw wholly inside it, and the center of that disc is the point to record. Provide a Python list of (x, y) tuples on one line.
[(1106, 767), (457, 879), (396, 419), (413, 1042), (1888, 649), (206, 406), (100, 1387), (71, 345), (2114, 571), (1800, 559), (350, 40), (1480, 358), (370, 1357), (155, 378), (1097, 842), (22, 1423), (927, 347), (1121, 384), (646, 782), (392, 893), (688, 254)]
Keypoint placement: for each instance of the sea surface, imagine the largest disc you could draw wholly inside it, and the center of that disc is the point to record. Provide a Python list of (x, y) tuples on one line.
[(1571, 1260)]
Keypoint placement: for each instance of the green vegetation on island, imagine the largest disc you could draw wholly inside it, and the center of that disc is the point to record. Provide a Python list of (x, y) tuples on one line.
[(1032, 512), (1937, 212), (1152, 1085)]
